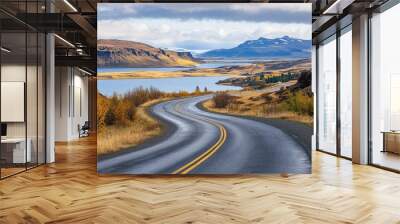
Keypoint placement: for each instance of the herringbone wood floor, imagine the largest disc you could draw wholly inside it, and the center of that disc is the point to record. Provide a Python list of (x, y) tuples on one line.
[(70, 191)]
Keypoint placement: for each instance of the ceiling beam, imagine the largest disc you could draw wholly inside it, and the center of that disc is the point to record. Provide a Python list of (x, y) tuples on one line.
[(337, 7), (89, 30), (84, 24), (320, 23), (49, 22), (79, 61)]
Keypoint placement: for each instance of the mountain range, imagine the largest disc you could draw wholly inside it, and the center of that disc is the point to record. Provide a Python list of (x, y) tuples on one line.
[(278, 48), (122, 53)]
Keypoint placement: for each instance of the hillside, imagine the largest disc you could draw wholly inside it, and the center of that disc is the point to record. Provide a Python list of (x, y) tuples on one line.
[(291, 100), (278, 48), (120, 53)]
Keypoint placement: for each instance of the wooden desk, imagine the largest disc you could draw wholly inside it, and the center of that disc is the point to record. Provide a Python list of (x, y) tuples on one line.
[(13, 150), (391, 141)]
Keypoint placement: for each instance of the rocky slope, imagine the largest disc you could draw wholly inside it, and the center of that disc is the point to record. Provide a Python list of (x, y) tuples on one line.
[(120, 53)]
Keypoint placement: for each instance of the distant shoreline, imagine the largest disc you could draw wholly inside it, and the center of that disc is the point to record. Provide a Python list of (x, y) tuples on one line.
[(229, 70)]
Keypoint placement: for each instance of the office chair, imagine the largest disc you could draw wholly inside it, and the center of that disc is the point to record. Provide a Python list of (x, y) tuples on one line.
[(84, 130)]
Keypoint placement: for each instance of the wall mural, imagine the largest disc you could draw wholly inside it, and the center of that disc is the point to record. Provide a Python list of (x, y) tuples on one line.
[(215, 88)]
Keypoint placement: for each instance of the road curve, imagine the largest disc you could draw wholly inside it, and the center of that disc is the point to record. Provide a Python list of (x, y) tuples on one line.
[(200, 142)]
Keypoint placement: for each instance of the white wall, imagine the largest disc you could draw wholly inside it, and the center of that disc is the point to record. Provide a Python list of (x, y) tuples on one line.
[(62, 82), (13, 100), (71, 94), (80, 110), (14, 73)]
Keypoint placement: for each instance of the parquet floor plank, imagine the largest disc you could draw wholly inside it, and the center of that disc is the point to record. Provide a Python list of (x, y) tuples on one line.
[(70, 191)]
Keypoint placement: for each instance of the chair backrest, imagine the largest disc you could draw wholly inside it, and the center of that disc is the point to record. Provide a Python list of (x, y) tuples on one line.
[(86, 125)]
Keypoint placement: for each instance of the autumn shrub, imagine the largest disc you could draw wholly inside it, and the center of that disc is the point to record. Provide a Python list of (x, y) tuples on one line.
[(268, 98), (233, 106), (197, 91), (178, 94), (110, 117), (102, 108), (122, 118), (141, 95), (111, 111), (130, 110), (119, 112), (121, 109), (301, 103), (221, 100), (269, 108), (124, 111)]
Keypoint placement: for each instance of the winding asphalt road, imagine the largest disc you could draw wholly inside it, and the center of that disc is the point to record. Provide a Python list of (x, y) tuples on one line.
[(201, 142)]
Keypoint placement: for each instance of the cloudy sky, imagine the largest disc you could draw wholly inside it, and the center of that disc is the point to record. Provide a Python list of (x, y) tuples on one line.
[(200, 27)]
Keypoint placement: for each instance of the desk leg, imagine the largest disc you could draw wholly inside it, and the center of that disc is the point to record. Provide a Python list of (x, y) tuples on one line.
[(384, 142)]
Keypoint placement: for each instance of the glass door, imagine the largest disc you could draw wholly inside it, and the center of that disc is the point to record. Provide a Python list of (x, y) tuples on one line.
[(22, 77), (14, 155), (327, 95), (346, 92)]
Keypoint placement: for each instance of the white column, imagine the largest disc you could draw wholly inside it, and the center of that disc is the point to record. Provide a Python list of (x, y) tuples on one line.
[(50, 99), (360, 90)]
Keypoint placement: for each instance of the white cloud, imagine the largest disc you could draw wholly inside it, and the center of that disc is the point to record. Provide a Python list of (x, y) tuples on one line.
[(260, 7), (256, 12), (197, 34)]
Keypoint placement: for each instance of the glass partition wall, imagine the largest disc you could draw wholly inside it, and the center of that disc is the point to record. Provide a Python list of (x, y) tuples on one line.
[(13, 89), (334, 90), (327, 95), (385, 89), (334, 94), (345, 91), (22, 77)]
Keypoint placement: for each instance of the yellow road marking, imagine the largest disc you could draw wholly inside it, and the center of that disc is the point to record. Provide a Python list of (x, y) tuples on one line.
[(207, 154)]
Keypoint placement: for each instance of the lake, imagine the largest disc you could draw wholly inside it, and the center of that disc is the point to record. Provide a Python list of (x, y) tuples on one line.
[(108, 87), (211, 64)]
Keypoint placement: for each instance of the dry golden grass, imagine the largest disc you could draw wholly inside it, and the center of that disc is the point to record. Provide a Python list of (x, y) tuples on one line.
[(195, 72), (251, 104), (115, 138), (185, 62), (206, 72)]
